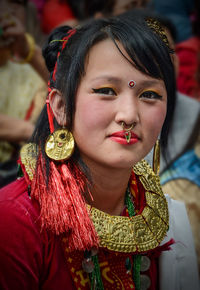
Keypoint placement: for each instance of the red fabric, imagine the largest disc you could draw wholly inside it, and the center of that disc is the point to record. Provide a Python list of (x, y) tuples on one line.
[(62, 205), (112, 264), (29, 259), (112, 267), (188, 81), (54, 13)]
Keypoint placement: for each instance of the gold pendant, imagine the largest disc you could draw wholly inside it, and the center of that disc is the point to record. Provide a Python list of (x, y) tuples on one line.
[(127, 136), (60, 145)]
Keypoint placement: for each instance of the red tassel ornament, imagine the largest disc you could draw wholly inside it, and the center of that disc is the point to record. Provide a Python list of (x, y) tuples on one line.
[(62, 205)]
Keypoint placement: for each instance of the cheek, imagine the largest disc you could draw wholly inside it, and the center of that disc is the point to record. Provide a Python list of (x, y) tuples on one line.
[(155, 118), (90, 115)]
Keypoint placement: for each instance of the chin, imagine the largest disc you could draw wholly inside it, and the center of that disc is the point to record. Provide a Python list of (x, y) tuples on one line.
[(123, 163)]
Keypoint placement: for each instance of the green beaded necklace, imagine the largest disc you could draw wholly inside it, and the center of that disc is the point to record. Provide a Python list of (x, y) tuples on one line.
[(95, 276)]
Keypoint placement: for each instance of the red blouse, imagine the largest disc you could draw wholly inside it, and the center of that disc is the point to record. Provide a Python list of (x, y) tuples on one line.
[(31, 259)]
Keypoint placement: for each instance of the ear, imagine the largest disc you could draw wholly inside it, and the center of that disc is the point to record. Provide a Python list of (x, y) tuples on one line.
[(58, 106)]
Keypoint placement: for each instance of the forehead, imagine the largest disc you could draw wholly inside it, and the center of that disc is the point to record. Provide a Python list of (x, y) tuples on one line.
[(106, 63), (105, 55)]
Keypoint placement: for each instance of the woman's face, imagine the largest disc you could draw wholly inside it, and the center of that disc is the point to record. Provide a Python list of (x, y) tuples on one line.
[(104, 100)]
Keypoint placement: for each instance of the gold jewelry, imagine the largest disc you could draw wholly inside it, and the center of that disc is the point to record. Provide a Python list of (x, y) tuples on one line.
[(127, 131), (158, 29), (28, 154), (141, 232), (156, 157), (60, 145), (31, 43)]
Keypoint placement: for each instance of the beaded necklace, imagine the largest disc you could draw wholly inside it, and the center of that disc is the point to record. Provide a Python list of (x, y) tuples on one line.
[(95, 275)]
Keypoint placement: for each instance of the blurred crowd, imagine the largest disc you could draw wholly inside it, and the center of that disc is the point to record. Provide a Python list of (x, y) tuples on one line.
[(24, 28)]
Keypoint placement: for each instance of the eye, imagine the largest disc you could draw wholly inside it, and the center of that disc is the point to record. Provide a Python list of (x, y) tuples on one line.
[(150, 95), (105, 91)]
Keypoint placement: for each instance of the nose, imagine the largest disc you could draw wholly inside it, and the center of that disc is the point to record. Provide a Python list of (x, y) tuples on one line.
[(127, 110)]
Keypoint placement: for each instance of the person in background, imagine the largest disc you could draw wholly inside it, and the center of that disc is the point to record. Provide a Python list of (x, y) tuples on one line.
[(185, 17), (23, 82), (106, 8), (61, 12)]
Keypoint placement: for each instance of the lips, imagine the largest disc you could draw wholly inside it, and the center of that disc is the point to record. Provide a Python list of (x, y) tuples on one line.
[(119, 137), (121, 134)]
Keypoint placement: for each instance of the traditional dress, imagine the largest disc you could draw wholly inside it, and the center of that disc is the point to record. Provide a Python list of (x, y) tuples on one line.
[(35, 259)]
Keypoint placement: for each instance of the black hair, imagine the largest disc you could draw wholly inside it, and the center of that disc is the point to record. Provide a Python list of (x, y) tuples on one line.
[(148, 13), (148, 52)]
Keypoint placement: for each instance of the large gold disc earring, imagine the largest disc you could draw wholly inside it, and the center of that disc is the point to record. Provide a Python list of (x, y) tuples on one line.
[(60, 145), (156, 157)]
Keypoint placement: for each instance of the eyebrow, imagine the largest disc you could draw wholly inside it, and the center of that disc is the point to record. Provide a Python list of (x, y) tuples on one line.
[(149, 83), (108, 78)]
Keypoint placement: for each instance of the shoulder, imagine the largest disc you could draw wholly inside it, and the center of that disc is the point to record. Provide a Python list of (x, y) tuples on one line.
[(14, 200), (30, 258), (13, 189), (20, 215), (21, 242)]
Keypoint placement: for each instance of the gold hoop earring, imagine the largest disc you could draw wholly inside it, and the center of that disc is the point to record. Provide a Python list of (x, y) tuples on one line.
[(60, 145), (156, 157)]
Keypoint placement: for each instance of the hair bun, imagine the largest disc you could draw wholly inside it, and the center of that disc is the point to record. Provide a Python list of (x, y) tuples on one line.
[(51, 48)]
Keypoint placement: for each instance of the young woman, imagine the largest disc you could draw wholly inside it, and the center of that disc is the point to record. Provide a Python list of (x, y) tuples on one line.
[(89, 213)]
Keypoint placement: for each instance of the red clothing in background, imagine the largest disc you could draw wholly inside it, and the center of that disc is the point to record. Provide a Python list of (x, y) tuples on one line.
[(54, 13), (188, 81)]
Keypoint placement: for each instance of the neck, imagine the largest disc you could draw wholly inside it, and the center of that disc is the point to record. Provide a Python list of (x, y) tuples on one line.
[(109, 188)]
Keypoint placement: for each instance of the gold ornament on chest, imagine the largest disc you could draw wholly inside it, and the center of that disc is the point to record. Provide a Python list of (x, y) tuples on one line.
[(139, 233)]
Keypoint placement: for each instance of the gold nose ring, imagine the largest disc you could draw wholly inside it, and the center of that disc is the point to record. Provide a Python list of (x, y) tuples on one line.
[(127, 129)]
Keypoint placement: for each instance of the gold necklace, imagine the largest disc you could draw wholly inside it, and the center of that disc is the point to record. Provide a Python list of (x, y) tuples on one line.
[(141, 232)]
